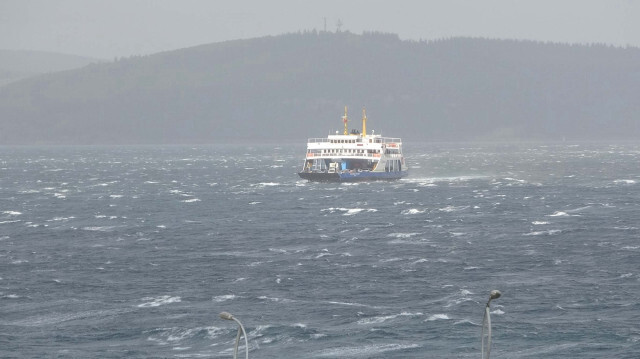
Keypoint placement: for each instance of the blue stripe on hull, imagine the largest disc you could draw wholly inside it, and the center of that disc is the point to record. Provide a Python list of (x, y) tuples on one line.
[(353, 176)]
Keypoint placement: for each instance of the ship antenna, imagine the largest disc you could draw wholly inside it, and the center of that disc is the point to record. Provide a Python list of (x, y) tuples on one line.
[(345, 120), (364, 123)]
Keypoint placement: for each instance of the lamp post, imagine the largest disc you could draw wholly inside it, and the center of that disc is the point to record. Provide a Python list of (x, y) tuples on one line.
[(486, 323), (228, 316)]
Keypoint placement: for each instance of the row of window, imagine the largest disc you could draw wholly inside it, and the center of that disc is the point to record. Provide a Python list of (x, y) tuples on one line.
[(331, 151), (346, 141), (358, 140), (349, 151)]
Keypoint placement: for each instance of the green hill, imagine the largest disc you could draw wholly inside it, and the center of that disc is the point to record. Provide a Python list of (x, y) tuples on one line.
[(294, 86)]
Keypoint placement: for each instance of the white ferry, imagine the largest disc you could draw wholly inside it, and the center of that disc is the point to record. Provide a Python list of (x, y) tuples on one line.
[(354, 156)]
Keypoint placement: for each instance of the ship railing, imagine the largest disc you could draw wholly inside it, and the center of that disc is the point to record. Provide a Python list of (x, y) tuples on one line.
[(375, 140)]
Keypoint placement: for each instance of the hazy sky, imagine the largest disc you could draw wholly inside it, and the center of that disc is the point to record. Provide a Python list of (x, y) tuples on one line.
[(109, 28)]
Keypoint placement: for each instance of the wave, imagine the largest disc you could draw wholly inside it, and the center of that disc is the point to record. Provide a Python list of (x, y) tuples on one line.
[(348, 211), (224, 298), (624, 181), (99, 228), (158, 301), (384, 318), (367, 351), (404, 235), (190, 200), (412, 211), (268, 184), (12, 221), (549, 232), (452, 208), (437, 317), (12, 213), (277, 300)]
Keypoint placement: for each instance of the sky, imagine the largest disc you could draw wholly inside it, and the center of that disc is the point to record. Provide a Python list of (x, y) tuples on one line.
[(106, 29)]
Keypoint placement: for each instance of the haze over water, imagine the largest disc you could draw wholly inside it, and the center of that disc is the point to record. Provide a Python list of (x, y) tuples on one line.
[(134, 251)]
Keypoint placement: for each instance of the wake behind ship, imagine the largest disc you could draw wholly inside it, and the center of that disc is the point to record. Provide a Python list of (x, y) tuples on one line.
[(354, 157)]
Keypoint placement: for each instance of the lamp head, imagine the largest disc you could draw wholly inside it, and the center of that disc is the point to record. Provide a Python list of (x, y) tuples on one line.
[(495, 294), (226, 316)]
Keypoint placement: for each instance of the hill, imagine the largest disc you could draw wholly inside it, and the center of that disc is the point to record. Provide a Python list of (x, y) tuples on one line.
[(19, 64), (294, 86)]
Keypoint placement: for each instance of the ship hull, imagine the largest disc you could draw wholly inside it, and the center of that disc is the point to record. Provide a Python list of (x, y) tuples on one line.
[(364, 176)]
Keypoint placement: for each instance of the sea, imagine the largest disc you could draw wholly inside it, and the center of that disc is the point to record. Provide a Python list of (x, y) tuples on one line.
[(134, 251)]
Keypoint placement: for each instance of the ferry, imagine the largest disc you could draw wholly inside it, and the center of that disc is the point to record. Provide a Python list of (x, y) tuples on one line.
[(354, 156)]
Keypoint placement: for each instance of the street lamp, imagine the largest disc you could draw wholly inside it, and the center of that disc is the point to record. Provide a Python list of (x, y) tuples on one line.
[(486, 323), (228, 316)]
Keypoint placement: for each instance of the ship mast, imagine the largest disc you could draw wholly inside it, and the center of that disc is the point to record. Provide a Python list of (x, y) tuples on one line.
[(345, 120), (364, 123)]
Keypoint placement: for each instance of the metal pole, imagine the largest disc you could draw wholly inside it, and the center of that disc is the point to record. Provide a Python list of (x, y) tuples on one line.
[(228, 316), (486, 323)]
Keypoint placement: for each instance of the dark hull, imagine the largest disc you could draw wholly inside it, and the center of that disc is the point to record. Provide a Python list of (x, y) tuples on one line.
[(352, 176)]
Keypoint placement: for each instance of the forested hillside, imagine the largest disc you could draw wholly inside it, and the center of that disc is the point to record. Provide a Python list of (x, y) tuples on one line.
[(19, 64), (295, 86)]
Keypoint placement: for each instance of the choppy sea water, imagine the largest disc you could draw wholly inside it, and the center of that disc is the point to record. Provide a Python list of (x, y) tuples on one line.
[(132, 252)]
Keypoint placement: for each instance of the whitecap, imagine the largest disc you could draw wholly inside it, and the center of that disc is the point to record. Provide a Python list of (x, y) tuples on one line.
[(268, 184), (191, 200), (403, 235), (559, 214), (354, 211), (158, 301), (367, 351), (29, 191), (539, 223), (437, 317), (12, 213), (624, 181), (115, 196), (60, 219), (223, 298), (465, 321), (412, 211), (381, 319), (277, 300), (550, 232), (347, 211), (13, 221), (453, 208), (99, 228)]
